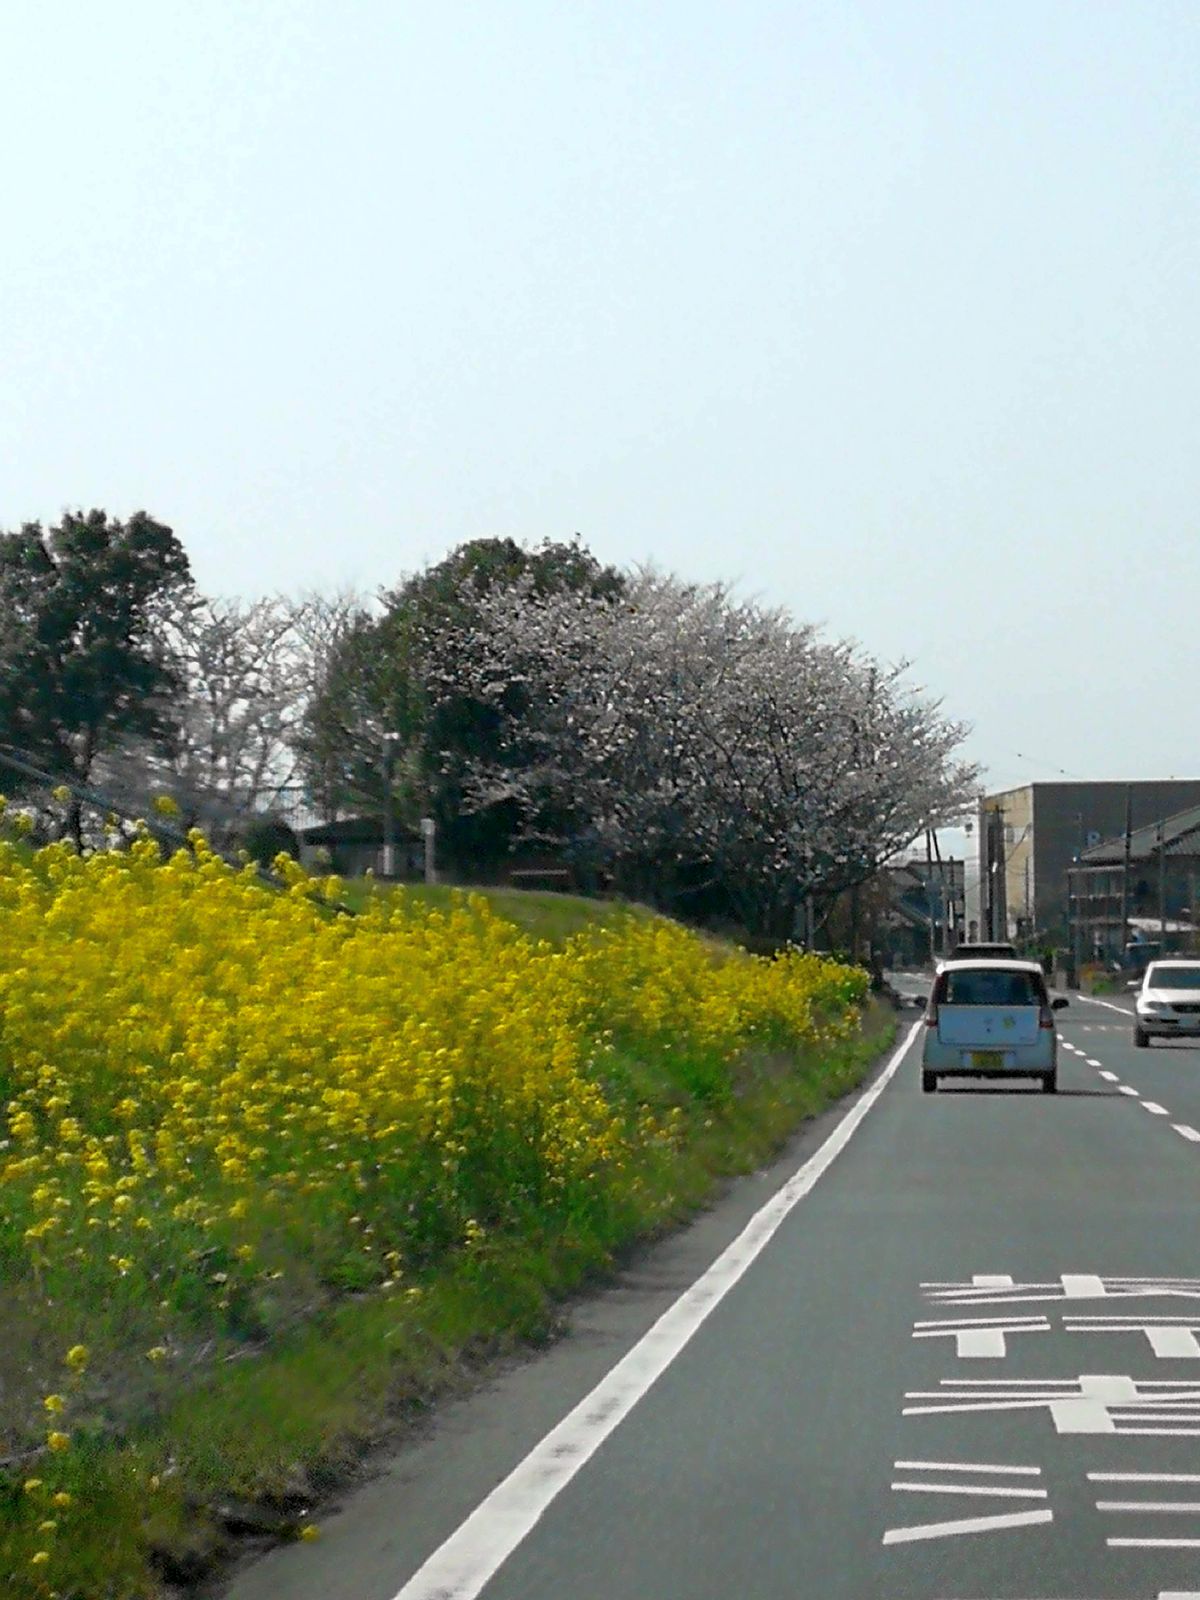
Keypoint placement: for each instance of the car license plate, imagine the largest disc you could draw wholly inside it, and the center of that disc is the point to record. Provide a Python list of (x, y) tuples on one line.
[(987, 1060)]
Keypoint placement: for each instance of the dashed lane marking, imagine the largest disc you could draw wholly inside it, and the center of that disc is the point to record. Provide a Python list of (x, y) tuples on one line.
[(1125, 1089), (971, 1466), (1141, 1477), (1109, 1077), (989, 1490), (1153, 1107), (1188, 1133)]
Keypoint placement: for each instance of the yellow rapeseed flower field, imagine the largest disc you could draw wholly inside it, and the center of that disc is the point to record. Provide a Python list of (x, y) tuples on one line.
[(222, 1108)]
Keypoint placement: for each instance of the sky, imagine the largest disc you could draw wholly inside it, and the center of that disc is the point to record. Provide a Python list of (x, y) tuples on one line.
[(886, 311)]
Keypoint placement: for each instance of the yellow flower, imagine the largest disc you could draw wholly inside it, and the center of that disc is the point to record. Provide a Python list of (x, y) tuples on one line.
[(49, 1526), (61, 1499), (309, 1532), (39, 1559), (32, 1485), (165, 805), (77, 1357), (58, 1441), (54, 1404), (157, 1353)]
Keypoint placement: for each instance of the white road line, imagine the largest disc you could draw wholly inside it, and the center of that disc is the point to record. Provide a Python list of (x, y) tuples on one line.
[(1140, 1477), (968, 1466), (1145, 1505), (1125, 1089), (1188, 1133), (950, 1530), (1108, 1006), (1153, 1107), (1110, 1077), (464, 1562), (1153, 1544), (971, 1488), (1092, 1062), (1039, 1323)]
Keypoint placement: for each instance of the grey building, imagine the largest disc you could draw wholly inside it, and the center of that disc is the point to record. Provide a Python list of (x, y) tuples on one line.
[(1029, 837), (1138, 892)]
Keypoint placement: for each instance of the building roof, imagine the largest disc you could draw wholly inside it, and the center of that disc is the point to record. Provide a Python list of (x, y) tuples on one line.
[(1180, 836), (353, 830)]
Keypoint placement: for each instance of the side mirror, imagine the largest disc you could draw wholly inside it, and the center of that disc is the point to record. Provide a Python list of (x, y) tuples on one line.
[(1059, 1003)]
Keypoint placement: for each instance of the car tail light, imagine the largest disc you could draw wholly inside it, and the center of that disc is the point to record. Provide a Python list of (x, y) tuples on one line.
[(931, 1010), (1045, 1017)]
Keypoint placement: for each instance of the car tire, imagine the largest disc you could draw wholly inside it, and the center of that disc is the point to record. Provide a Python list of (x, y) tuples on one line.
[(1050, 1082), (1141, 1038), (928, 1082)]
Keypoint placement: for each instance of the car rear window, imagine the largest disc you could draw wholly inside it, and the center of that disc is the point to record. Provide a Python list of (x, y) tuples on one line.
[(991, 986), (1173, 978)]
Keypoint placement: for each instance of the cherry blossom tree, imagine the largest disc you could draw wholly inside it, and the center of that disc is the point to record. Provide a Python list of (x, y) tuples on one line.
[(691, 742)]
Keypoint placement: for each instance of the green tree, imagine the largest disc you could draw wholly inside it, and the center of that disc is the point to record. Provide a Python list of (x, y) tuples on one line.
[(83, 662), (376, 683)]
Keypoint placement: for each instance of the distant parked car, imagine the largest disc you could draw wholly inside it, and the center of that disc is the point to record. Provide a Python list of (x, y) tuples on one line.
[(982, 952), (1168, 1002), (991, 1019)]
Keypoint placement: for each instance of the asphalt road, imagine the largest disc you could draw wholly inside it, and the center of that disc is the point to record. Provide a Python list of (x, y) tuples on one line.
[(964, 1366)]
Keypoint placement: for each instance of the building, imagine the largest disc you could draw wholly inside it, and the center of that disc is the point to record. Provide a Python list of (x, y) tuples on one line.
[(924, 915), (1029, 837), (355, 845), (1138, 892)]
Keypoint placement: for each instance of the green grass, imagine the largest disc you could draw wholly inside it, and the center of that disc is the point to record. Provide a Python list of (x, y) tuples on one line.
[(542, 913), (236, 1450)]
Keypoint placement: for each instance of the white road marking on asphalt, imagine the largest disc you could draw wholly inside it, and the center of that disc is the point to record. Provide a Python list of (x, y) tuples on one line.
[(980, 1338), (1108, 1006), (972, 1294), (971, 1488), (1153, 1544), (968, 1466), (1125, 1089), (950, 1530), (1153, 1107), (1141, 1477), (1093, 1403), (1188, 1133), (1170, 1338), (1092, 1062), (1110, 1076), (1082, 1286), (463, 1563), (1146, 1505)]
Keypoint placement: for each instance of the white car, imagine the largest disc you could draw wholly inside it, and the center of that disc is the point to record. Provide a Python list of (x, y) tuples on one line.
[(991, 1019), (1168, 1002)]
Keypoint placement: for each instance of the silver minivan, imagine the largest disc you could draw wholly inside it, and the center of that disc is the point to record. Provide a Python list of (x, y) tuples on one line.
[(990, 1019)]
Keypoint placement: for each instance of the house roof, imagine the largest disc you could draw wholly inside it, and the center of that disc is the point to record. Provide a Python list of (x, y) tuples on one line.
[(353, 830), (1180, 837)]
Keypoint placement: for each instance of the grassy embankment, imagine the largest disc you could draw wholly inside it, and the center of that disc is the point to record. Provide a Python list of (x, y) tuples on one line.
[(255, 1153)]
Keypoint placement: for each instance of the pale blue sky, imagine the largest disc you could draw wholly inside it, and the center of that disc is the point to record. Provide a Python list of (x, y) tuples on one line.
[(887, 310)]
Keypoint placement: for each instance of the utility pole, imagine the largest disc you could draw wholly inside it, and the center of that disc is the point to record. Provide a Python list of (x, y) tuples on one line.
[(1162, 893), (929, 897), (998, 896), (1028, 909), (1126, 863)]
